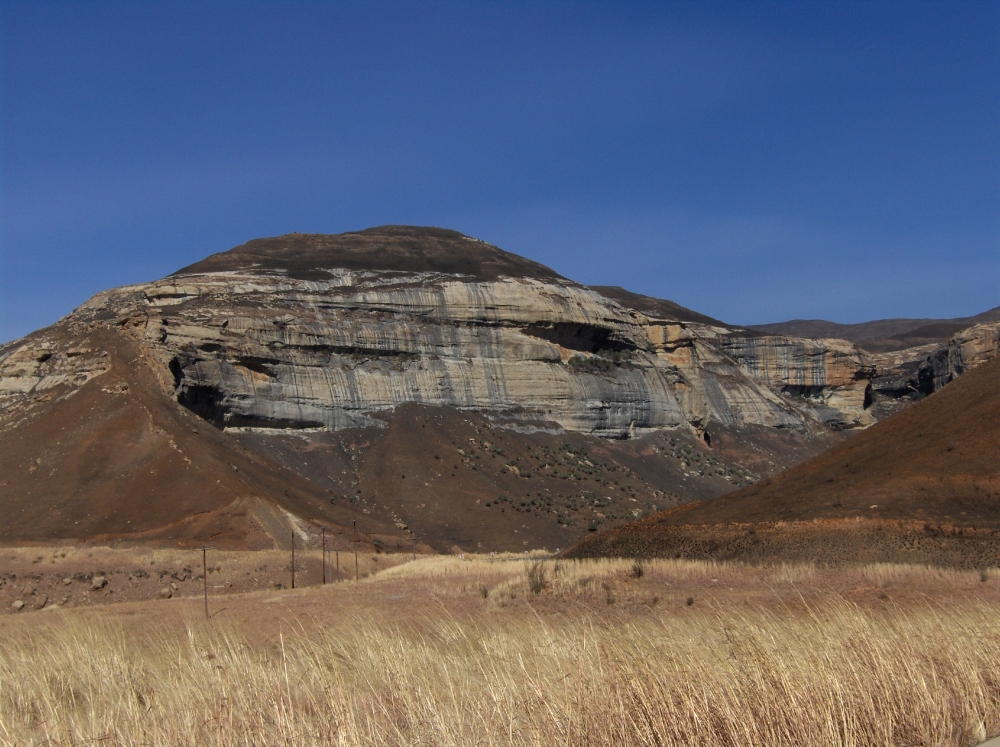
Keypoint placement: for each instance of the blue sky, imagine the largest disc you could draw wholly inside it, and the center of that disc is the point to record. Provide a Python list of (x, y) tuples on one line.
[(754, 161)]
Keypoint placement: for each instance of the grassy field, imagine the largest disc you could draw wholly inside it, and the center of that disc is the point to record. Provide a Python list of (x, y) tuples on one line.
[(507, 651)]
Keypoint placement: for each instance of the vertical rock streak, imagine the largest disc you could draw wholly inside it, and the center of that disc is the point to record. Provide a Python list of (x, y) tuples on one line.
[(270, 351)]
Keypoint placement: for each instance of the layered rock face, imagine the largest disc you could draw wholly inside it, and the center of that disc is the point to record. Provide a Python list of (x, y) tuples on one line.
[(266, 352), (966, 350), (296, 333), (334, 354), (832, 374)]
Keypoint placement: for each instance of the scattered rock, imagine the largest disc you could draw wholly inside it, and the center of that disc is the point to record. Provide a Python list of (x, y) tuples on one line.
[(98, 582), (41, 601), (67, 581), (18, 605), (173, 586), (166, 592)]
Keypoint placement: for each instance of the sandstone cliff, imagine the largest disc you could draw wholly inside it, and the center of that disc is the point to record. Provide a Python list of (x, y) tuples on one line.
[(907, 376), (966, 350), (831, 374), (279, 334)]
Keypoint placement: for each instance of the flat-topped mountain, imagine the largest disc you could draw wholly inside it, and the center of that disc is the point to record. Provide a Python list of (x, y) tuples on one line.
[(413, 379)]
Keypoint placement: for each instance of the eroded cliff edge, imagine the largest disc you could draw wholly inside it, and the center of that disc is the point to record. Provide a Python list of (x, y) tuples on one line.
[(295, 333)]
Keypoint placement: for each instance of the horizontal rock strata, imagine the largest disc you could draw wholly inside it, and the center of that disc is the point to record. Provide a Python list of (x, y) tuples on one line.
[(834, 374), (308, 346)]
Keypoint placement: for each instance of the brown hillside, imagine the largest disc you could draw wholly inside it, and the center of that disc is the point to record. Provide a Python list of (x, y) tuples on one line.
[(459, 482), (383, 249), (922, 485), (660, 308), (119, 459)]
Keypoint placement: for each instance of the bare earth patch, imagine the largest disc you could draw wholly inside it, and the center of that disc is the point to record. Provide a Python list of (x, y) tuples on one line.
[(47, 577)]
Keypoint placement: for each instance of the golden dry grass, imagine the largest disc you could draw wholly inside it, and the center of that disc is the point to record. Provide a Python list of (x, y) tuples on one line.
[(446, 651)]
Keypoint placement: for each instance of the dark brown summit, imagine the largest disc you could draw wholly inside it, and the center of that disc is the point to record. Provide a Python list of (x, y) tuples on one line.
[(310, 256), (659, 308)]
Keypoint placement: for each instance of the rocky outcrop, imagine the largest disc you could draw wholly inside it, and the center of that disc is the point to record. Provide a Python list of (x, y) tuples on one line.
[(966, 350), (39, 364), (359, 346), (831, 374), (294, 333), (266, 352), (907, 376)]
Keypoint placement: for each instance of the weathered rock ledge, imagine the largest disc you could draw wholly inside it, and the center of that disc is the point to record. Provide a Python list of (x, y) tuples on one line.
[(276, 335)]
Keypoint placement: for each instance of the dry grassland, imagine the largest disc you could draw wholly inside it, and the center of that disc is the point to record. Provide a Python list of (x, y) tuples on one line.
[(450, 651)]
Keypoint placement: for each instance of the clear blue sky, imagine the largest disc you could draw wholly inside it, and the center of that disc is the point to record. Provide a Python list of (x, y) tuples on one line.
[(754, 161)]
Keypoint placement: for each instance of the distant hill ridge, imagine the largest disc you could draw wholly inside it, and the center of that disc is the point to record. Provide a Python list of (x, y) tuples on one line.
[(880, 335)]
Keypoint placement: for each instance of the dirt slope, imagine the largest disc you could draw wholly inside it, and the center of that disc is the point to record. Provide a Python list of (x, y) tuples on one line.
[(459, 482), (923, 485), (120, 459)]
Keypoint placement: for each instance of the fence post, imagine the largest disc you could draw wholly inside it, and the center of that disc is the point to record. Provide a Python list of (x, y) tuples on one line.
[(324, 556), (293, 558), (204, 576)]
